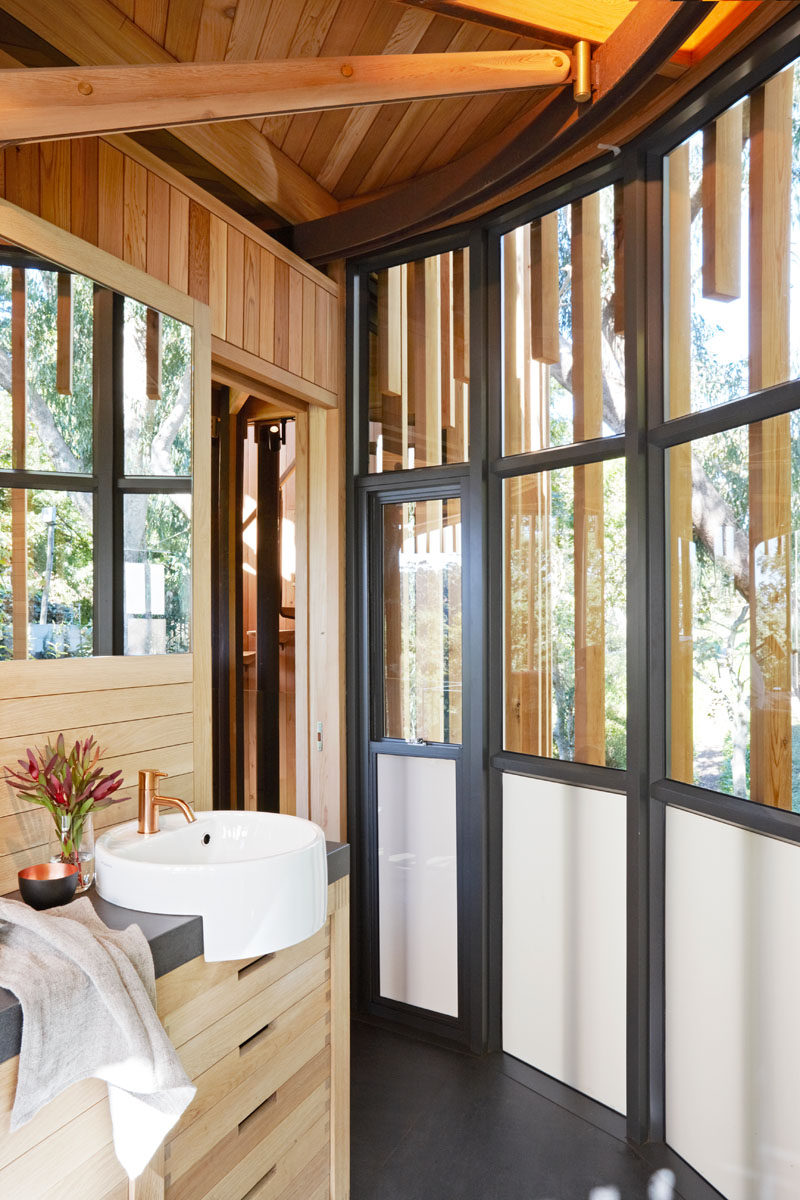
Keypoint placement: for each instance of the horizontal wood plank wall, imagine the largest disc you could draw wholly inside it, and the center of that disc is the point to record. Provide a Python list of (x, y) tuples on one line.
[(139, 709), (265, 301)]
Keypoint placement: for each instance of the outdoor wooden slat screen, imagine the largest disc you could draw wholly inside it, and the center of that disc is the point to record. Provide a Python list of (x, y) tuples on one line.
[(587, 392), (560, 346), (419, 378), (732, 545), (680, 462), (770, 461)]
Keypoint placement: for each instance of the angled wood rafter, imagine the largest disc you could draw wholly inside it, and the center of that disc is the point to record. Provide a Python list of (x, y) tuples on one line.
[(624, 64), (68, 101), (554, 23), (96, 32)]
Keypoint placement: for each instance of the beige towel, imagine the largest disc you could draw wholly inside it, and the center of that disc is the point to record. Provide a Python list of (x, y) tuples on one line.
[(87, 995)]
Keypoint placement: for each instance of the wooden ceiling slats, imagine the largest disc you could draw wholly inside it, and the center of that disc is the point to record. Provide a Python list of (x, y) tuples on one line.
[(308, 40), (183, 21), (407, 38), (424, 124), (246, 30), (373, 37), (342, 35), (151, 16), (214, 31)]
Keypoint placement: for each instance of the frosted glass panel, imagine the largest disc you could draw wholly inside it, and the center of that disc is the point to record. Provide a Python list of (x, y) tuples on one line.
[(417, 882)]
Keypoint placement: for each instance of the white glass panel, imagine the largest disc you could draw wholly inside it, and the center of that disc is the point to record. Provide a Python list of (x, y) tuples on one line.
[(417, 882)]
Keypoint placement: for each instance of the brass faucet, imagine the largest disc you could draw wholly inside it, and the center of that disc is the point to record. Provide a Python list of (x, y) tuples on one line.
[(150, 802)]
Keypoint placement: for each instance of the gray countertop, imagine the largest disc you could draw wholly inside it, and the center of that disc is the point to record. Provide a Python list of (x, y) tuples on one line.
[(173, 941)]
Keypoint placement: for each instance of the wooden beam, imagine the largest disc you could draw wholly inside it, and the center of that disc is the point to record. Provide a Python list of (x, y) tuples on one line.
[(626, 63), (64, 334), (580, 19), (770, 445), (722, 205), (57, 102), (94, 31), (238, 368)]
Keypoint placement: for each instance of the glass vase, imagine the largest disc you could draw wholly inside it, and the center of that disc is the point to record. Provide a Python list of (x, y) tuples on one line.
[(72, 841)]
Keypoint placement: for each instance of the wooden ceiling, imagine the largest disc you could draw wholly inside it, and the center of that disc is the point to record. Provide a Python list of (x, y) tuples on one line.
[(296, 169), (360, 151)]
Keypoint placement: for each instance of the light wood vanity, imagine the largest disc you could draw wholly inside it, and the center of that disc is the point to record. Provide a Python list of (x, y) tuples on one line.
[(266, 1041)]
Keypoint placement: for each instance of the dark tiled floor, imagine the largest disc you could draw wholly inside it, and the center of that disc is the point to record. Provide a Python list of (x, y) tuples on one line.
[(433, 1124)]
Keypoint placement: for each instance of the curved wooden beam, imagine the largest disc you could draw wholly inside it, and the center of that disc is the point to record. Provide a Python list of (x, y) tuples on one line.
[(633, 52)]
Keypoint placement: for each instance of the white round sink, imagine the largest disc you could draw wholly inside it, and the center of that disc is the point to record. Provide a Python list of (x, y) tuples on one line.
[(258, 880)]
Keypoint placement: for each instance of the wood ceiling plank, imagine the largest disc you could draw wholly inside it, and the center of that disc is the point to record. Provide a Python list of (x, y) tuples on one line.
[(183, 23), (91, 31), (214, 31), (457, 127), (351, 20), (309, 36), (151, 16), (578, 19), (372, 39), (413, 129), (247, 29), (410, 35)]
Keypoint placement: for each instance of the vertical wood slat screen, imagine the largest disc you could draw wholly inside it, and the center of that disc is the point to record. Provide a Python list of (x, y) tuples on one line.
[(419, 381), (529, 263), (722, 206), (680, 468), (587, 391), (125, 205), (765, 585), (770, 451)]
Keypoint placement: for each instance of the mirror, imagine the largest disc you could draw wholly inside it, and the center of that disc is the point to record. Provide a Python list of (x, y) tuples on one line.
[(96, 465)]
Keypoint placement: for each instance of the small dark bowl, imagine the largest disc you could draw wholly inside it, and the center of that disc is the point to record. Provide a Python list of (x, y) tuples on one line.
[(48, 885)]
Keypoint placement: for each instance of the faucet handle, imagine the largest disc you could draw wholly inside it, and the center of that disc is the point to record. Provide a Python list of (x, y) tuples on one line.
[(149, 779)]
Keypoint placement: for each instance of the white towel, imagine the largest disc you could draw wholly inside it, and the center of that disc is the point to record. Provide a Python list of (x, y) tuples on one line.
[(87, 994)]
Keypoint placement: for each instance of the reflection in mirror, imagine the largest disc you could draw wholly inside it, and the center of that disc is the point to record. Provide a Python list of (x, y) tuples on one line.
[(95, 468)]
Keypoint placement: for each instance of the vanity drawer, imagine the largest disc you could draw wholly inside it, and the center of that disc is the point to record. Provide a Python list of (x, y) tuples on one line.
[(253, 1150)]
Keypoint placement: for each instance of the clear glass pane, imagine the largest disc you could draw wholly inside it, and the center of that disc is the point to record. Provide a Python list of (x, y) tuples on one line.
[(734, 615), (157, 384), (47, 589), (732, 251), (158, 574), (422, 620), (59, 371), (417, 882), (563, 327), (419, 363), (565, 619)]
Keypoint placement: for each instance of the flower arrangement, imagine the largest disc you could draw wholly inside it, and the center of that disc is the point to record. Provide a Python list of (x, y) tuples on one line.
[(70, 786)]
